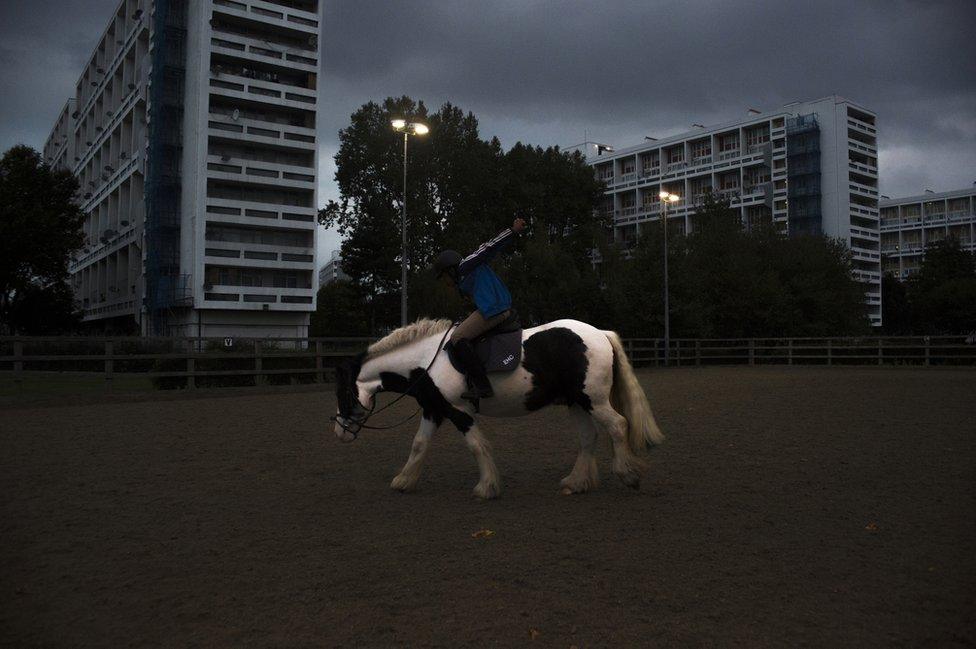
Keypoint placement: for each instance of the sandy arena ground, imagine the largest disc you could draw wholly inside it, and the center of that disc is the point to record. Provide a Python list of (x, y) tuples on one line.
[(789, 507)]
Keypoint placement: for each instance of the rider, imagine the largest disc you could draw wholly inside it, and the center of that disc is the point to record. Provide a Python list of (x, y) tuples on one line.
[(475, 279)]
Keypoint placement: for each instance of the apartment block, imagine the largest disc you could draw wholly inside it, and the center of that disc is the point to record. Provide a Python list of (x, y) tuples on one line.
[(808, 168), (192, 134), (910, 224), (332, 271)]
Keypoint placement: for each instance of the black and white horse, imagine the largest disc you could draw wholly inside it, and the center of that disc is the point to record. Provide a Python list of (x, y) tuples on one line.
[(564, 362)]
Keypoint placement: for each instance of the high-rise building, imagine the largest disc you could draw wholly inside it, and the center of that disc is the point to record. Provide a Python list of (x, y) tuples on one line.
[(332, 271), (192, 134), (808, 168), (910, 224)]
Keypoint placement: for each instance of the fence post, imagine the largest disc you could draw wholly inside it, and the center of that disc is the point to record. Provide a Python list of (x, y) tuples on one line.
[(880, 353), (752, 351), (191, 367), (789, 352), (830, 351), (18, 365), (318, 362), (109, 364), (927, 350), (697, 352), (258, 366)]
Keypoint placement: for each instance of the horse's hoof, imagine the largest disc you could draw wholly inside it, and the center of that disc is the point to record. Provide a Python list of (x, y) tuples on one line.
[(631, 479), (402, 485), (566, 491), (488, 491)]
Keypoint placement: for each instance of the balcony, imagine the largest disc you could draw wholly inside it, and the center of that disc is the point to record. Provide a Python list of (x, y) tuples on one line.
[(246, 48), (261, 90), (260, 132), (861, 126), (225, 210), (863, 147), (268, 13), (863, 168), (674, 167), (935, 218), (961, 215), (863, 190), (259, 172), (257, 255)]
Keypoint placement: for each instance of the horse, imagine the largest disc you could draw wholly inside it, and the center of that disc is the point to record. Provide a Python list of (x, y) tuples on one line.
[(565, 362)]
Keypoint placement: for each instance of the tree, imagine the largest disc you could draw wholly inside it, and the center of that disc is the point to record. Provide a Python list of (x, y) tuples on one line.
[(40, 226), (461, 190), (339, 311), (727, 282), (896, 315), (943, 292)]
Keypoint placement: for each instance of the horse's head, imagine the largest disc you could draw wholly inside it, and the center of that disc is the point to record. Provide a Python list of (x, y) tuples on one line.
[(353, 402)]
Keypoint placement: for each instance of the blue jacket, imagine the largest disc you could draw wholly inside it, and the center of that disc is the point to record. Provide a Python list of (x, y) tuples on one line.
[(480, 282)]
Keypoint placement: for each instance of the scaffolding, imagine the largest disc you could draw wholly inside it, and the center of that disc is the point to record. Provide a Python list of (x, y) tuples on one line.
[(167, 288), (804, 215)]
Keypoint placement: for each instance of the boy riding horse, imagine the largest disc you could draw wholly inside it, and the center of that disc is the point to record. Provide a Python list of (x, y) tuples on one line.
[(475, 279)]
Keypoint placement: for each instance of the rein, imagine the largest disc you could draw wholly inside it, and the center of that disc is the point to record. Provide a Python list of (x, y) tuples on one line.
[(361, 423)]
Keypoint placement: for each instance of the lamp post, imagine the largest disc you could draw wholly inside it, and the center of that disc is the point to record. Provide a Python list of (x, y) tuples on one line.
[(408, 129), (666, 198)]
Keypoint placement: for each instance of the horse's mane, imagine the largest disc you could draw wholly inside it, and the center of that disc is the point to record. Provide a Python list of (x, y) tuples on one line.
[(404, 335)]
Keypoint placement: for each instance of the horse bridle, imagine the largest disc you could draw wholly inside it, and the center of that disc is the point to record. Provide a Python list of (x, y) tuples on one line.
[(360, 424)]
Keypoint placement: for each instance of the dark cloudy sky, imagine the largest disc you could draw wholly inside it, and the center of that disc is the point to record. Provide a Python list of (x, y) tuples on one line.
[(545, 72)]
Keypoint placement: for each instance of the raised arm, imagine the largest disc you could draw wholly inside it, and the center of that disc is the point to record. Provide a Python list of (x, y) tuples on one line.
[(488, 250)]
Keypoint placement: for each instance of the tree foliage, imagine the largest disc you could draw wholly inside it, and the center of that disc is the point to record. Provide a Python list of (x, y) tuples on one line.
[(462, 189), (40, 226), (939, 299)]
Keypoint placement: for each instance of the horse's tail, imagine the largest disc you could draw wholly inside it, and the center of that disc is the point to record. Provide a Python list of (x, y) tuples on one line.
[(627, 397)]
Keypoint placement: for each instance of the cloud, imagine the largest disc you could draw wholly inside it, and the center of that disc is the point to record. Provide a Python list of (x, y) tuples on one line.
[(546, 71)]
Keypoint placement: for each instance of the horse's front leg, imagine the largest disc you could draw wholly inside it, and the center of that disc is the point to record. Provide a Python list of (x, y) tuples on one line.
[(489, 485), (409, 475)]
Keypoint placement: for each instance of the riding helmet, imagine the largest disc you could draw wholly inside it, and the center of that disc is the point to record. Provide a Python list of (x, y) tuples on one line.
[(446, 260)]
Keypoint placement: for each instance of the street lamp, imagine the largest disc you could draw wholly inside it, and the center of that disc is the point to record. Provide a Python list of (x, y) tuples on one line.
[(666, 197), (408, 129)]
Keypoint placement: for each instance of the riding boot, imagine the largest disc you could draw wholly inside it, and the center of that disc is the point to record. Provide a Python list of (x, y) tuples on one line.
[(474, 370)]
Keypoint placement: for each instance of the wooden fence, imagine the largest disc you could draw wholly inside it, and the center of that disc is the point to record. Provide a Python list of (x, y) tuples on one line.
[(190, 363), (896, 350)]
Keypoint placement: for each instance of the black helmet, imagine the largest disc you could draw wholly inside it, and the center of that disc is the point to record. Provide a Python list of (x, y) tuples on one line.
[(446, 260)]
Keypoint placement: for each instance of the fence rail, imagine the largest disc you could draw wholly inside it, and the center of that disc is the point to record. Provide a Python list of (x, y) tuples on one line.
[(190, 363)]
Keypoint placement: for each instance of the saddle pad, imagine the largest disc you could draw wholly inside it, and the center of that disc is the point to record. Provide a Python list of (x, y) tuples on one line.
[(500, 352)]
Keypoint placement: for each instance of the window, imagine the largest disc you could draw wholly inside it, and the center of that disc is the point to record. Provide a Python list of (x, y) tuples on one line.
[(701, 149), (249, 278), (728, 142), (757, 135)]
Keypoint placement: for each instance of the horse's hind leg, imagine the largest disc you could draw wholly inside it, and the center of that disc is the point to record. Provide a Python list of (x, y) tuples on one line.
[(627, 466), (407, 479), (585, 475), (489, 485)]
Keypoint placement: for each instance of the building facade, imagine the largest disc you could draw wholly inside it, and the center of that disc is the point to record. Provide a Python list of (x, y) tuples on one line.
[(332, 271), (910, 224), (192, 134), (808, 168)]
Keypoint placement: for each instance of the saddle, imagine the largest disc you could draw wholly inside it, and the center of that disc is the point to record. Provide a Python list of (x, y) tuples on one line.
[(499, 348)]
